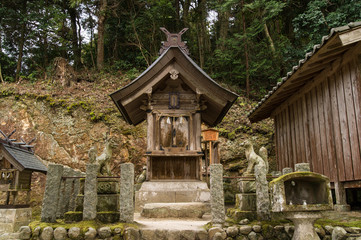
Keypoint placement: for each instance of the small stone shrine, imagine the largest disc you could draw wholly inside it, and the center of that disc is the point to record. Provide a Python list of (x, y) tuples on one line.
[(17, 163), (174, 95)]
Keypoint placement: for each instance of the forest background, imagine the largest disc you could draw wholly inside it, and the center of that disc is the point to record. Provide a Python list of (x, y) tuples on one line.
[(247, 44)]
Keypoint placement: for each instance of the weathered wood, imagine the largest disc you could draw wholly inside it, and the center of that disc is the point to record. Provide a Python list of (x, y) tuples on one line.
[(306, 130), (350, 37), (277, 142), (330, 141), (301, 131), (312, 143), (336, 130), (344, 127), (284, 139), (150, 131), (293, 138), (288, 138), (351, 119), (340, 193), (317, 141), (356, 90), (324, 150)]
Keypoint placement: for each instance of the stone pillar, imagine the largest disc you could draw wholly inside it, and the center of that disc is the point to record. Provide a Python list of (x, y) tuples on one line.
[(262, 193), (126, 194), (90, 192), (287, 170), (51, 194), (302, 167), (64, 192), (217, 195)]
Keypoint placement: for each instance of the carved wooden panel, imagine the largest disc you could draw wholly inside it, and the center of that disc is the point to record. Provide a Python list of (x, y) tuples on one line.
[(164, 168)]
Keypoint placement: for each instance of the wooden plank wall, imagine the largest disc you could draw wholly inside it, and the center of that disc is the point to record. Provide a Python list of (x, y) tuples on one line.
[(323, 126)]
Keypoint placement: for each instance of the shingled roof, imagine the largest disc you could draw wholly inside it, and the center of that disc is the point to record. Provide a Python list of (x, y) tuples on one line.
[(21, 158), (331, 48), (129, 98)]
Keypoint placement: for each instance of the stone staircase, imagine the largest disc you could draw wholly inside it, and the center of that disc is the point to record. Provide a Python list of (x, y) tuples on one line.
[(173, 199)]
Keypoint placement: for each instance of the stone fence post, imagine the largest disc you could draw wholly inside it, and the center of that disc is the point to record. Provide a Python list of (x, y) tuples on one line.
[(51, 194), (126, 193), (90, 192), (217, 195)]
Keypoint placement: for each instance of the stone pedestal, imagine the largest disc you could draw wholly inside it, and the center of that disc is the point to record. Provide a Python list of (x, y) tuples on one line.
[(246, 201), (175, 210), (171, 192), (12, 219), (303, 222)]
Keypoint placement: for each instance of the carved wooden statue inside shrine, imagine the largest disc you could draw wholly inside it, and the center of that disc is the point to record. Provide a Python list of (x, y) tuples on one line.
[(175, 96)]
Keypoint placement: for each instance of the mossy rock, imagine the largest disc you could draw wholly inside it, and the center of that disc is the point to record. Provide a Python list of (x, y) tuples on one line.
[(73, 217), (267, 231), (108, 217), (238, 215)]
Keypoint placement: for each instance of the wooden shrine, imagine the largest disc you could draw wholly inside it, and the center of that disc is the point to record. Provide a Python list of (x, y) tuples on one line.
[(175, 96), (17, 163), (316, 109)]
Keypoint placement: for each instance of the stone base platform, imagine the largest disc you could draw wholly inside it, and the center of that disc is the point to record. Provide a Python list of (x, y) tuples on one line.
[(12, 219), (171, 192), (175, 210), (246, 202)]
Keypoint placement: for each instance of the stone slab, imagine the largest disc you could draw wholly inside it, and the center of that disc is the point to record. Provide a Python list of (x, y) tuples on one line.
[(246, 201), (217, 194), (171, 192), (126, 204), (12, 219), (175, 210)]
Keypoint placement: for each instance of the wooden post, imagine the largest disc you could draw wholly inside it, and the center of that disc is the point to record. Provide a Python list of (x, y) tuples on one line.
[(341, 203)]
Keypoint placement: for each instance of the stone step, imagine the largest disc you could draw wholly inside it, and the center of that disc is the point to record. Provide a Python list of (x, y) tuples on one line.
[(175, 210), (171, 192)]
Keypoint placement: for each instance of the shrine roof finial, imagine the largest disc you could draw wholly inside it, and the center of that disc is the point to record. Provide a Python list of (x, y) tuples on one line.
[(174, 40)]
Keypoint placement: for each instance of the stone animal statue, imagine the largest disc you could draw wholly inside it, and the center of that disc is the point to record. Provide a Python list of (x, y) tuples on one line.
[(254, 159), (103, 159), (143, 176)]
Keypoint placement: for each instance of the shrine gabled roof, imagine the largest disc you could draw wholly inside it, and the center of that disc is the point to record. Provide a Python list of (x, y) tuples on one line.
[(129, 98), (22, 159), (332, 47)]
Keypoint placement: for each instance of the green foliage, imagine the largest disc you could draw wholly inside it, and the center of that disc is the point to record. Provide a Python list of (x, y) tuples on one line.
[(223, 36)]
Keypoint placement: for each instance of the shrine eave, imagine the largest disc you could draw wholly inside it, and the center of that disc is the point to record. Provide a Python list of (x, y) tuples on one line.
[(129, 98)]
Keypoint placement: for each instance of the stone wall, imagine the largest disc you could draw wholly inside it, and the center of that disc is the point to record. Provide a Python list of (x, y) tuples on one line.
[(246, 231)]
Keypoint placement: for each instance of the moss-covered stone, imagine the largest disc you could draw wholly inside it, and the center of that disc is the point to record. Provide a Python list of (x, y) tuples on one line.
[(73, 217), (238, 215), (108, 217)]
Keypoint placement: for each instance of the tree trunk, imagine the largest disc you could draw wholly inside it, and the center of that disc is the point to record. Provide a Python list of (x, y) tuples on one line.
[(101, 31), (202, 43), (74, 37), (21, 44), (246, 53), (272, 46), (223, 27), (186, 6)]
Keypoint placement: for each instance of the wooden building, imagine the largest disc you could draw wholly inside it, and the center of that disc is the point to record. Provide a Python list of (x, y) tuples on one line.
[(175, 96), (17, 163), (317, 110)]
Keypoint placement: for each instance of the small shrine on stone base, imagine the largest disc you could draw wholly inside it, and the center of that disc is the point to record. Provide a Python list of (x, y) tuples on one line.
[(175, 96)]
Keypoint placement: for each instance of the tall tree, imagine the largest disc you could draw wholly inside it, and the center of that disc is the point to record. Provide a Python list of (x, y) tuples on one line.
[(101, 32), (21, 40)]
